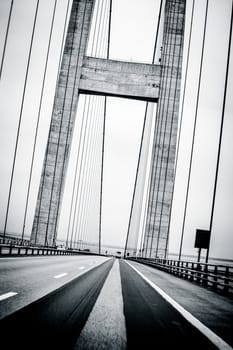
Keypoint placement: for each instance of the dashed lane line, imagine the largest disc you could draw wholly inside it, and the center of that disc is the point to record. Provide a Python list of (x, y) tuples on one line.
[(81, 267), (60, 275), (214, 338), (7, 295)]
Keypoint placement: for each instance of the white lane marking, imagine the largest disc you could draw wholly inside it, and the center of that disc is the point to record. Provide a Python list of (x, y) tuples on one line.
[(214, 338), (81, 267), (97, 333), (7, 295), (61, 275)]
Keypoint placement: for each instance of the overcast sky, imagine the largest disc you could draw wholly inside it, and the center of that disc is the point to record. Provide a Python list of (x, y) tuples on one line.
[(132, 38)]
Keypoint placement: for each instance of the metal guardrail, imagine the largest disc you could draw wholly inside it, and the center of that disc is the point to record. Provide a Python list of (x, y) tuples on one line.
[(14, 240), (217, 277), (19, 250)]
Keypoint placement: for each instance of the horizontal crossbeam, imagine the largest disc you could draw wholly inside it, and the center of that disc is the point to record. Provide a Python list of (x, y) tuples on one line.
[(120, 79)]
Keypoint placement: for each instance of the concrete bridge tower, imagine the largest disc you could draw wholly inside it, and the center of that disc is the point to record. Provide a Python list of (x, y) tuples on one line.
[(82, 74)]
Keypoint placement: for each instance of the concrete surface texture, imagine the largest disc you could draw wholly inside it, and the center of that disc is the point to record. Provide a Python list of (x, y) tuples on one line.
[(61, 128), (213, 310), (120, 79), (128, 80), (164, 148), (105, 327)]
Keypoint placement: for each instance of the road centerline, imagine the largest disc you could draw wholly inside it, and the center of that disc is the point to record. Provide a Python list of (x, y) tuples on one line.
[(61, 275), (7, 295)]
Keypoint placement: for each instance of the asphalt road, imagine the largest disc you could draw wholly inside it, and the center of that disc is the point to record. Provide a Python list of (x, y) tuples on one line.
[(33, 277), (151, 322), (56, 320), (89, 304)]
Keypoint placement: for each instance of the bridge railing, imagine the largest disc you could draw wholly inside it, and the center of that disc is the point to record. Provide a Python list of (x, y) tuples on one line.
[(20, 250), (15, 246), (217, 277)]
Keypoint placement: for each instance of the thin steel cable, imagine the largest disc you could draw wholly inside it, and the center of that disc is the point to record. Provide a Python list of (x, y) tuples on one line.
[(98, 30), (40, 106), (104, 35), (221, 128), (20, 119), (79, 198), (46, 155), (74, 194), (6, 38), (182, 104), (169, 147), (86, 171), (194, 130), (75, 173), (136, 178), (39, 112), (94, 50), (75, 218), (89, 191), (158, 123), (67, 141), (59, 136), (104, 131), (163, 131), (79, 190), (63, 36), (142, 137), (90, 179), (99, 52)]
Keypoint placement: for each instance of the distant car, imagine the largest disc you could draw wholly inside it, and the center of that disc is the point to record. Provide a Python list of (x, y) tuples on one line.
[(118, 254)]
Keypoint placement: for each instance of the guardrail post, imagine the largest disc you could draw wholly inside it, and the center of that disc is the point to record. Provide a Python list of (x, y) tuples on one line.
[(179, 269), (226, 286), (215, 277), (198, 268), (186, 275), (205, 276)]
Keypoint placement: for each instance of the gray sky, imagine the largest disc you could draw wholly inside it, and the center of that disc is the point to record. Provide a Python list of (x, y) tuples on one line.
[(132, 38)]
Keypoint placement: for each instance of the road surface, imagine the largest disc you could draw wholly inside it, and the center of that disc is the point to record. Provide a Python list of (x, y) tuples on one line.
[(110, 307)]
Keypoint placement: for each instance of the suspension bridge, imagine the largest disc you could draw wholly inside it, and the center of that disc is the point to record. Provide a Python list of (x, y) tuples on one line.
[(59, 85)]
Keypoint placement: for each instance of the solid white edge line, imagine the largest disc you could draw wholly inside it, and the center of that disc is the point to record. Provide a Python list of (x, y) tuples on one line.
[(214, 338), (7, 295), (61, 275)]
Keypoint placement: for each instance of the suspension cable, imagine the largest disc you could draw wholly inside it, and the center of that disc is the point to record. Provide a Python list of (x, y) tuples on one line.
[(194, 129), (104, 131), (182, 104), (20, 119), (158, 122), (221, 128), (40, 104), (59, 137), (169, 147), (161, 129), (143, 132), (6, 38), (39, 112)]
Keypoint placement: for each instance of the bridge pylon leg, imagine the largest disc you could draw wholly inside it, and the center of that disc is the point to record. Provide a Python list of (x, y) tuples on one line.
[(45, 223)]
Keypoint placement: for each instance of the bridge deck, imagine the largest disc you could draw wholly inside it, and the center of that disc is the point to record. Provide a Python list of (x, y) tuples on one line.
[(108, 306)]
